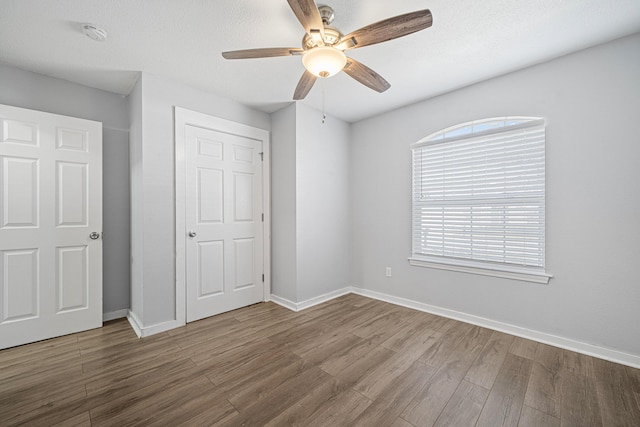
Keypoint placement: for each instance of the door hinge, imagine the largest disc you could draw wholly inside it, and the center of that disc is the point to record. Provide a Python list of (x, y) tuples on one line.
[(261, 156), (262, 217), (263, 277)]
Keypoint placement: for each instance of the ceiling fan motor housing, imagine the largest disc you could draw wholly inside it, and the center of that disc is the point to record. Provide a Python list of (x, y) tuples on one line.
[(331, 34), (331, 37)]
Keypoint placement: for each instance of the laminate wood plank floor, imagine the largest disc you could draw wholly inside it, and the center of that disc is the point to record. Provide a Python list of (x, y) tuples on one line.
[(352, 361)]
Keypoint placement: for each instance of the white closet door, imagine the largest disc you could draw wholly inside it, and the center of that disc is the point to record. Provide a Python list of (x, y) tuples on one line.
[(224, 247), (50, 225)]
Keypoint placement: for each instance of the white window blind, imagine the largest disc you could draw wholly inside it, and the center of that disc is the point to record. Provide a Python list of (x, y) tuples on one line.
[(479, 195)]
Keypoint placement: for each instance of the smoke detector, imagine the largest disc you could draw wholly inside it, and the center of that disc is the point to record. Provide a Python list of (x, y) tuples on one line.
[(94, 32)]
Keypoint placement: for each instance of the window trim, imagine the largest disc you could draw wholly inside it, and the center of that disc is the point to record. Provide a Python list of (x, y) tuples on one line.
[(486, 268), (464, 266), (431, 139)]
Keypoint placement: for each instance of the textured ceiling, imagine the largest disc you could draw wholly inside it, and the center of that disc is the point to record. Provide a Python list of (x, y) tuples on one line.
[(182, 40)]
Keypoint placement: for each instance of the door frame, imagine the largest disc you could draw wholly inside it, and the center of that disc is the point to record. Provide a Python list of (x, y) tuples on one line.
[(183, 118)]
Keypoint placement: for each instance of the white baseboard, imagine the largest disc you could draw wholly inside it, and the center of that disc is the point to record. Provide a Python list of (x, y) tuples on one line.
[(284, 302), (556, 341), (145, 331), (112, 315), (135, 323), (310, 302), (160, 327), (323, 298)]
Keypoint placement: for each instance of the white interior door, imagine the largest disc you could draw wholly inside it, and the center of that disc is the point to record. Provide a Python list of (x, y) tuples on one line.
[(224, 222), (51, 202)]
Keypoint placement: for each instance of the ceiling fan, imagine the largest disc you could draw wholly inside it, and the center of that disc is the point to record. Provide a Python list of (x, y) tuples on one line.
[(323, 46)]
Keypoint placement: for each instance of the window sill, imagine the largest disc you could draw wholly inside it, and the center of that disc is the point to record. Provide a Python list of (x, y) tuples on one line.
[(464, 267)]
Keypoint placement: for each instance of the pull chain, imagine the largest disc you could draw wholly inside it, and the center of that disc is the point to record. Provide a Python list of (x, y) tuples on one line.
[(324, 116)]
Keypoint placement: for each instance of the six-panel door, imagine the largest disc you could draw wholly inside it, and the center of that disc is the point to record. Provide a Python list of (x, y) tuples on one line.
[(50, 203), (224, 222)]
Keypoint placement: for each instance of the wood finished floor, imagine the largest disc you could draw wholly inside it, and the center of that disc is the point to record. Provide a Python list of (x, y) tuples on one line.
[(352, 361)]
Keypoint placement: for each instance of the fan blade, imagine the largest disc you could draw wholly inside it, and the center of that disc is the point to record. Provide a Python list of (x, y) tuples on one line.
[(262, 53), (307, 13), (304, 85), (387, 29), (365, 75)]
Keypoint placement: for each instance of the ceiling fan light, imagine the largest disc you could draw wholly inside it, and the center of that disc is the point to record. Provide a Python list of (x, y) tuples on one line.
[(325, 61)]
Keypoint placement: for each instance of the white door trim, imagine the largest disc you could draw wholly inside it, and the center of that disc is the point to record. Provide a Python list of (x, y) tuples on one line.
[(184, 117)]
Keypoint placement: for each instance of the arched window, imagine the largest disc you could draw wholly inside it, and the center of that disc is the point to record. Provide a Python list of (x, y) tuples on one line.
[(479, 198)]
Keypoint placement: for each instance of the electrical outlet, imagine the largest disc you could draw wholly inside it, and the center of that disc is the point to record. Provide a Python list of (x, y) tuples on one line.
[(388, 272)]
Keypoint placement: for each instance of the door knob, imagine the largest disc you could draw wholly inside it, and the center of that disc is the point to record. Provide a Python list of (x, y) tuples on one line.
[(192, 233), (94, 235)]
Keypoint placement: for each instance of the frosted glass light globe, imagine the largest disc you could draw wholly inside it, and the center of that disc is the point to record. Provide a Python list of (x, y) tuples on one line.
[(324, 61)]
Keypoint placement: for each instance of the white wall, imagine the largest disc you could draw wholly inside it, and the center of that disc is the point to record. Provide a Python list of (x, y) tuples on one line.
[(310, 204), (116, 214), (283, 204), (322, 203), (37, 92), (154, 223), (591, 102), (137, 203)]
